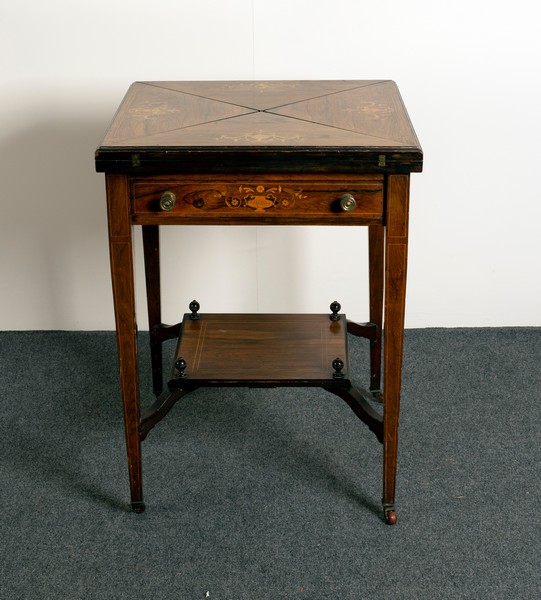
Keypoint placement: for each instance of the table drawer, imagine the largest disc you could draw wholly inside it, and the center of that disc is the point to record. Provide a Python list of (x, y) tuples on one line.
[(340, 200)]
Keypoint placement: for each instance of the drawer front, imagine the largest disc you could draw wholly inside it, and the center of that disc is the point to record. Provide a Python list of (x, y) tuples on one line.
[(265, 200)]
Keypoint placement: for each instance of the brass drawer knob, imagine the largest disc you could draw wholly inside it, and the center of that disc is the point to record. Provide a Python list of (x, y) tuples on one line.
[(167, 201), (347, 202)]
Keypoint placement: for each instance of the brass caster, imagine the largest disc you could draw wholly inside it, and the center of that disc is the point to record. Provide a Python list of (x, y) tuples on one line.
[(138, 507), (390, 517), (377, 395)]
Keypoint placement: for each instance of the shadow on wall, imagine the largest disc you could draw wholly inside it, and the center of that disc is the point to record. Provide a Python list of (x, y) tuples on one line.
[(54, 255), (54, 237), (53, 225)]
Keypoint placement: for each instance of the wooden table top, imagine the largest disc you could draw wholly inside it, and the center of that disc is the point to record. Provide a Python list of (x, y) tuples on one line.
[(260, 126)]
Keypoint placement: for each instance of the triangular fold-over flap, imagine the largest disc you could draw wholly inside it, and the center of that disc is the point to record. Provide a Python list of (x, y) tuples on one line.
[(374, 110), (261, 129), (149, 111), (260, 95)]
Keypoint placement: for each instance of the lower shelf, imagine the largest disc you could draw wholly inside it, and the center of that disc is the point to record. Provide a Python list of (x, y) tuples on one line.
[(262, 350)]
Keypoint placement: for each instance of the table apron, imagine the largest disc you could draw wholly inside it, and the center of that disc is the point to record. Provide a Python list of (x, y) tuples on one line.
[(269, 199)]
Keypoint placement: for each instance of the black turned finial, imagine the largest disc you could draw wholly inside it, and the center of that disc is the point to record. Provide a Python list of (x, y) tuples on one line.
[(338, 365), (194, 307), (180, 366), (335, 307)]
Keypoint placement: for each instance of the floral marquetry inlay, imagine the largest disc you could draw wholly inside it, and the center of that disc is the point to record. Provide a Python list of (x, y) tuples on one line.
[(261, 137), (254, 197)]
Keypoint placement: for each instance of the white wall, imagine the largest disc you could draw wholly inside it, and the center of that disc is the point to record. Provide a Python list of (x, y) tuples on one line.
[(469, 74)]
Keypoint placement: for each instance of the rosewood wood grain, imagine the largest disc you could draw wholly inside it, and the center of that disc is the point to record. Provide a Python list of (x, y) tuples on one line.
[(158, 331), (376, 243), (360, 405), (262, 95), (121, 254), (396, 248), (151, 251), (245, 200), (261, 153), (160, 407), (261, 127), (365, 330), (262, 350)]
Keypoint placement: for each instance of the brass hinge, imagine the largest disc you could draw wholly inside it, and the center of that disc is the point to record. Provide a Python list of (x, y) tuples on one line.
[(381, 160)]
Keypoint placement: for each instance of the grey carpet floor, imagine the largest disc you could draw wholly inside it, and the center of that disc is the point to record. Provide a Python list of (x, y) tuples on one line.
[(270, 494)]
